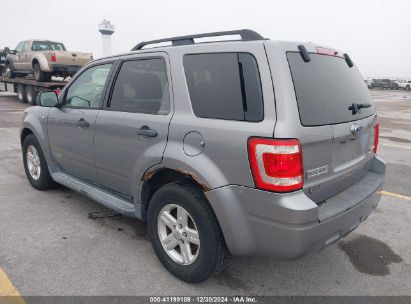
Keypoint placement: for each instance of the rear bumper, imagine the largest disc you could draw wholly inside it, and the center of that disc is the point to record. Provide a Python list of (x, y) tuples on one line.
[(290, 225), (68, 69)]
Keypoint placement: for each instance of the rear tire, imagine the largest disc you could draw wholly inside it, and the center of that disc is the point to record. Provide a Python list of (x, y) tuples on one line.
[(31, 95), (39, 74), (35, 164), (209, 256), (21, 93)]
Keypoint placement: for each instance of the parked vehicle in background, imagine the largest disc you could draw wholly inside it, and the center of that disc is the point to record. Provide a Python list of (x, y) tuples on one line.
[(380, 84), (405, 84), (210, 157), (44, 59), (394, 85)]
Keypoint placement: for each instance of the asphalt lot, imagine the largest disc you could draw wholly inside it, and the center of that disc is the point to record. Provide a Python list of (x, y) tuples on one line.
[(49, 246)]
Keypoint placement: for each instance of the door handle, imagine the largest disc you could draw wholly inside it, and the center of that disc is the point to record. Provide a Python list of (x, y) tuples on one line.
[(146, 131), (83, 123)]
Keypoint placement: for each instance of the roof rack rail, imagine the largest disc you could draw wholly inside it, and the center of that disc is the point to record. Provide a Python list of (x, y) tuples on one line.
[(246, 35)]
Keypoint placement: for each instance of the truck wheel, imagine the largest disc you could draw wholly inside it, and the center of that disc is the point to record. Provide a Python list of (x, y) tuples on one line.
[(39, 74), (185, 233), (35, 164), (9, 71), (31, 94), (21, 93)]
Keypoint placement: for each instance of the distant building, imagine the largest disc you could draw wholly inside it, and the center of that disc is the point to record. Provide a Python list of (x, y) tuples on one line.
[(106, 29)]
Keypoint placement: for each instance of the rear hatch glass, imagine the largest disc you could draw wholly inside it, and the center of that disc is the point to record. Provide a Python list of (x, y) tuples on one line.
[(326, 87)]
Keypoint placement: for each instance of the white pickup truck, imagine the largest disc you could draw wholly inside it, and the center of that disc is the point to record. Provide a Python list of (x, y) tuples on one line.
[(404, 84), (44, 58)]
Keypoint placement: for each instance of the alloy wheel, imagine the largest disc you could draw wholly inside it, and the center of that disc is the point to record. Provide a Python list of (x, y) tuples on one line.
[(178, 234), (33, 162)]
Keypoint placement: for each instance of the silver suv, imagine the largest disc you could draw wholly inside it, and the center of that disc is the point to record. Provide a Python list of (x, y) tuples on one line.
[(241, 147)]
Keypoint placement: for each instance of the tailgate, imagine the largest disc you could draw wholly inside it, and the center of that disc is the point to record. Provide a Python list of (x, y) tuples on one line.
[(337, 117), (71, 58)]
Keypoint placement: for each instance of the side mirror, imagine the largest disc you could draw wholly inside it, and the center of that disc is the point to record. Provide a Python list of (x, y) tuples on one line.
[(47, 99), (6, 49)]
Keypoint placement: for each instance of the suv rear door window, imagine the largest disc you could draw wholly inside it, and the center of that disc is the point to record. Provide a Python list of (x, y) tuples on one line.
[(224, 86), (142, 87), (325, 87)]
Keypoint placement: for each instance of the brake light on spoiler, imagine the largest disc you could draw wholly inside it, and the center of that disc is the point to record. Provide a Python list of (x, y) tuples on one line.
[(325, 51), (276, 164)]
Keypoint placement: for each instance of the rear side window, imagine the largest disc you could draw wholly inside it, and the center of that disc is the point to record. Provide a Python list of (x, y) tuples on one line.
[(224, 86), (142, 87), (325, 87), (47, 46)]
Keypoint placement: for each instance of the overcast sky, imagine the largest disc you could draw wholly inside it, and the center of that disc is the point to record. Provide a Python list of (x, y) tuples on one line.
[(376, 34)]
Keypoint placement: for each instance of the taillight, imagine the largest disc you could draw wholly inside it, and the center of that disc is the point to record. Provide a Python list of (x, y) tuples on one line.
[(276, 164), (376, 136), (53, 57)]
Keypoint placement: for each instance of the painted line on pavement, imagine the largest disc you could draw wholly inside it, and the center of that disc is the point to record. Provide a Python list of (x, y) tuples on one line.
[(404, 197), (7, 290), (396, 146)]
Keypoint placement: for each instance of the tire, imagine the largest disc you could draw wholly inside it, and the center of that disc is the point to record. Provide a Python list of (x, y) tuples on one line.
[(407, 87), (31, 95), (39, 74), (10, 72), (43, 181), (210, 255), (21, 93)]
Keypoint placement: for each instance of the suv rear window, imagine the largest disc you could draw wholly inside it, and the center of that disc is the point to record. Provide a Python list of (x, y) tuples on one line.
[(224, 86), (325, 87)]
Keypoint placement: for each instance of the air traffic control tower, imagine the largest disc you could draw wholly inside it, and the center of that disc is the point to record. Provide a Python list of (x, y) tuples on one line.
[(106, 29)]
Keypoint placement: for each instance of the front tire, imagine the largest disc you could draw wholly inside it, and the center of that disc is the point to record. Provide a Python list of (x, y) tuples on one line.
[(35, 164), (10, 72), (185, 234)]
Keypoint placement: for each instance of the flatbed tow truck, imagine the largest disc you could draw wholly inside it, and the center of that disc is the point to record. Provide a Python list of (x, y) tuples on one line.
[(27, 88)]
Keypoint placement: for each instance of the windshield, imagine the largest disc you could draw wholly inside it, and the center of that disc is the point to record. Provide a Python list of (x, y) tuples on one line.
[(326, 87), (47, 46)]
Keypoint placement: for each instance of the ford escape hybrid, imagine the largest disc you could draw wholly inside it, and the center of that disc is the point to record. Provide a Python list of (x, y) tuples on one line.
[(242, 147)]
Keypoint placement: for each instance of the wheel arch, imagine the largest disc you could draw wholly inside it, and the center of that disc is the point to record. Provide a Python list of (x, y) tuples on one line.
[(24, 133), (32, 125), (42, 61), (152, 180)]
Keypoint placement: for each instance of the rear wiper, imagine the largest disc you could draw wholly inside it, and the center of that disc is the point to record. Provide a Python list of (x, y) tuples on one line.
[(356, 107)]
